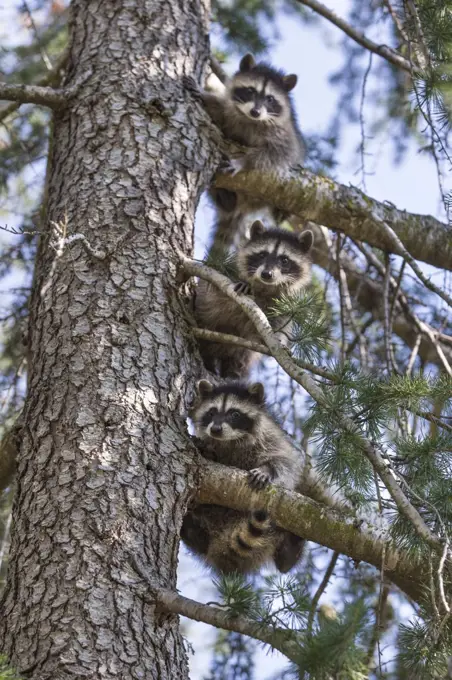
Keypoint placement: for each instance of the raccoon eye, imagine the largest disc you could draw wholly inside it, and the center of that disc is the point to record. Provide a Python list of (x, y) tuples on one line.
[(250, 90), (212, 412), (270, 99), (284, 260), (234, 414), (262, 255)]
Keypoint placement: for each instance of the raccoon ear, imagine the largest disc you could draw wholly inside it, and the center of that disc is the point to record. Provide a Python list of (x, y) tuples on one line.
[(257, 391), (204, 387), (289, 82), (257, 229), (306, 239), (247, 63)]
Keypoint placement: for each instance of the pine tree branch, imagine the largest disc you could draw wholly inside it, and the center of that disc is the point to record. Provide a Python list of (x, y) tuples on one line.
[(349, 210), (278, 638), (343, 531), (50, 78), (214, 336), (33, 94), (45, 96), (282, 356), (391, 55)]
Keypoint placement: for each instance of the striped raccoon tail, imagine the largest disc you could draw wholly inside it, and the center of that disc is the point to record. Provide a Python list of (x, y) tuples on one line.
[(252, 542), (252, 534), (245, 545)]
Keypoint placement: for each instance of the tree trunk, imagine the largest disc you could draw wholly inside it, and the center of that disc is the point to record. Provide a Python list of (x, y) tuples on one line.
[(103, 472)]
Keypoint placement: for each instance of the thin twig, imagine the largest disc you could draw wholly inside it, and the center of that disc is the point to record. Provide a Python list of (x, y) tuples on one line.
[(396, 20), (399, 249), (384, 51), (43, 53), (442, 593), (387, 329), (413, 355), (318, 593), (340, 278), (396, 294), (361, 123), (50, 78), (422, 327), (214, 336), (379, 614)]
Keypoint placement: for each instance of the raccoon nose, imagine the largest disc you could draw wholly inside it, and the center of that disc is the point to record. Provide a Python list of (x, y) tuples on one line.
[(216, 429), (255, 113), (267, 275)]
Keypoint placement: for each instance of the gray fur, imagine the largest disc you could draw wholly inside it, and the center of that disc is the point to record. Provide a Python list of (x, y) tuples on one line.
[(225, 538), (275, 143), (216, 312), (211, 532)]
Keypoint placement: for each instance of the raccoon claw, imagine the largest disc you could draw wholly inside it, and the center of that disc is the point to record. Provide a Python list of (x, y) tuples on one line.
[(192, 86), (242, 288), (231, 166), (258, 479)]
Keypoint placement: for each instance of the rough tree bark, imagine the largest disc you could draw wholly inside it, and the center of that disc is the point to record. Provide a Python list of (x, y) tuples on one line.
[(103, 470)]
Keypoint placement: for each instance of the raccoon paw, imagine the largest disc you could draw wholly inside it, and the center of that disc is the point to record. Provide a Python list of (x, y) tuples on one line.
[(258, 478), (242, 288), (231, 166), (192, 86)]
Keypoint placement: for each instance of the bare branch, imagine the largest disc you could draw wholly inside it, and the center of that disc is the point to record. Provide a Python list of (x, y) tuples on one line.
[(50, 78), (396, 20), (399, 249), (323, 584), (421, 326), (278, 638), (349, 210), (391, 55), (343, 531), (434, 347), (282, 356), (206, 334), (45, 96), (33, 94)]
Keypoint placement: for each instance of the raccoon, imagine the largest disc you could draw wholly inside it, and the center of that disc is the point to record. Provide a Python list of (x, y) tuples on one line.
[(230, 541), (255, 110), (270, 264), (235, 428)]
